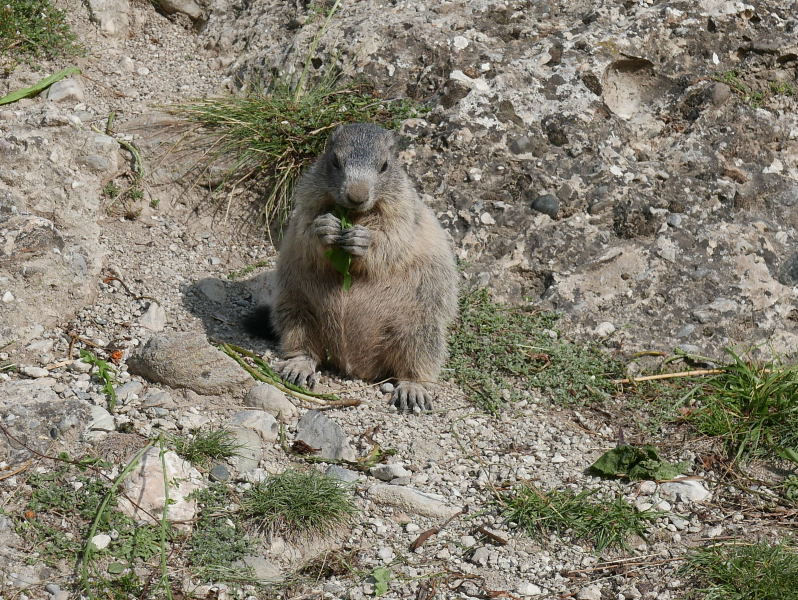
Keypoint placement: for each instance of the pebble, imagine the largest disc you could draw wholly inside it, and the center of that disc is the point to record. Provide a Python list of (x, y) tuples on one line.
[(101, 541), (8, 297), (52, 589), (259, 421), (268, 398), (591, 592), (689, 490), (548, 204), (220, 473), (34, 372), (341, 474), (386, 554), (646, 488), (412, 500), (480, 556), (154, 318), (387, 387), (318, 430), (388, 472), (529, 589)]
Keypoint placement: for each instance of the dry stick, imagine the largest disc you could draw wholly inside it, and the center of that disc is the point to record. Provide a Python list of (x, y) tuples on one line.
[(695, 373)]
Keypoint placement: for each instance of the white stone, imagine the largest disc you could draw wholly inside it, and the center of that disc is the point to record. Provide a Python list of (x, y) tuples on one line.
[(591, 592), (687, 490), (154, 318), (34, 372), (389, 471), (268, 398), (146, 484), (412, 500), (258, 421), (647, 488), (487, 219), (529, 589), (8, 297), (66, 90), (605, 329), (459, 42), (558, 458), (101, 420), (101, 541)]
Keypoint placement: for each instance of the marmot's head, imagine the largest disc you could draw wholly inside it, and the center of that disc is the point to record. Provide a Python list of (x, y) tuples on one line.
[(359, 161)]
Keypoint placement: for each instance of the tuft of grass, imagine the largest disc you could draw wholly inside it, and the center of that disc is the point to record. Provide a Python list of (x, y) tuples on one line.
[(754, 408), (34, 29), (272, 135), (298, 504), (496, 351), (606, 523), (745, 572), (782, 88), (206, 446)]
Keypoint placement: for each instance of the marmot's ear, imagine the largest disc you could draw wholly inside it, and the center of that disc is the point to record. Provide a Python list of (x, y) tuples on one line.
[(393, 141), (334, 137)]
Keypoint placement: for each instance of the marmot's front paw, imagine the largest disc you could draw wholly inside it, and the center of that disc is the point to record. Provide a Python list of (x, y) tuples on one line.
[(355, 240), (300, 370), (411, 397), (327, 228)]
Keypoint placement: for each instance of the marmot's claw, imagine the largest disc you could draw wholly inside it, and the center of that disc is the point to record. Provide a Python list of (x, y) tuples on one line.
[(300, 371), (355, 240), (327, 228), (411, 397)]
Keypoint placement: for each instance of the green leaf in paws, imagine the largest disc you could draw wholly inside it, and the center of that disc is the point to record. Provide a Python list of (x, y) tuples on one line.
[(340, 259)]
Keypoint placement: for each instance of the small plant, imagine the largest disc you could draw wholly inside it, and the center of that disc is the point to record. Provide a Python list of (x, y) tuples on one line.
[(607, 523), (790, 488), (106, 373), (754, 408), (111, 190), (298, 504), (497, 350), (635, 463), (244, 271), (34, 28), (745, 572), (206, 446), (782, 88), (217, 540)]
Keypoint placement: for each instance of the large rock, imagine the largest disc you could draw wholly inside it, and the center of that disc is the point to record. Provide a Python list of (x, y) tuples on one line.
[(187, 360), (145, 487), (317, 430), (112, 16), (38, 419)]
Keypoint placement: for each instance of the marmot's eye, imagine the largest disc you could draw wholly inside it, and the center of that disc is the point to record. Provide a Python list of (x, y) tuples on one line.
[(384, 167), (335, 162)]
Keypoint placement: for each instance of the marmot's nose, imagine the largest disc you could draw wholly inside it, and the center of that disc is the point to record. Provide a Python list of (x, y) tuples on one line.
[(357, 193)]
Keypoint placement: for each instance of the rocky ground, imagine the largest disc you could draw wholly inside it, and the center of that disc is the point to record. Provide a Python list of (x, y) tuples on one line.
[(631, 164)]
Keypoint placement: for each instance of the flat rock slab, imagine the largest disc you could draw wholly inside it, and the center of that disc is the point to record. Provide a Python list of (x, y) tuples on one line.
[(187, 360), (317, 430), (38, 418), (412, 500)]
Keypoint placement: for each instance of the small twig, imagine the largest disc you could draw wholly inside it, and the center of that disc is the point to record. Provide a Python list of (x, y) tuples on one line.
[(696, 373)]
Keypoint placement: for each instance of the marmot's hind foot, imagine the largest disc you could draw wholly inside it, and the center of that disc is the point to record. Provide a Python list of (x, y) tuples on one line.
[(411, 397), (300, 370)]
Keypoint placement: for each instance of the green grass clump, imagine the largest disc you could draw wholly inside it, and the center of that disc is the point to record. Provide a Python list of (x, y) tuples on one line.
[(606, 523), (35, 29), (497, 351), (274, 134), (754, 408), (206, 446), (746, 572), (298, 504)]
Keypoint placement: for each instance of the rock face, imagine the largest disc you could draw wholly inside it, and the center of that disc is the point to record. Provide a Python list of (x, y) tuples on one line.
[(630, 163), (187, 360), (50, 254)]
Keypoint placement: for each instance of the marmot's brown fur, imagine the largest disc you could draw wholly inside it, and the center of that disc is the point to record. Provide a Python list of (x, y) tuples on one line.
[(393, 320)]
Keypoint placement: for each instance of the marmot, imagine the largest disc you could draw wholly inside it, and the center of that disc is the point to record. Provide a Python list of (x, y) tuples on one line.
[(393, 320)]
